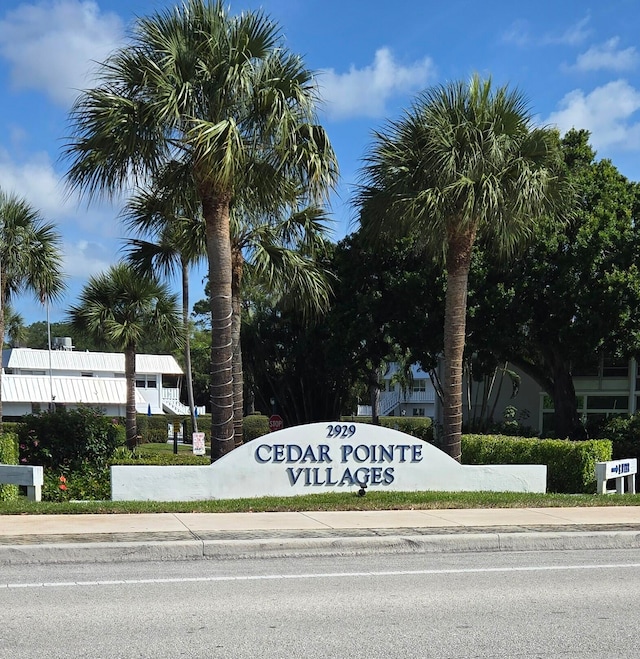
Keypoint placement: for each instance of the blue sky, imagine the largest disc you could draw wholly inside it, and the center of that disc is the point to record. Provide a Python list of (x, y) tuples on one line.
[(579, 65)]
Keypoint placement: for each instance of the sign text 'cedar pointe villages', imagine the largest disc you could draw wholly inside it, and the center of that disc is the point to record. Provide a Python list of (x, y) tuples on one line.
[(322, 457), (340, 465)]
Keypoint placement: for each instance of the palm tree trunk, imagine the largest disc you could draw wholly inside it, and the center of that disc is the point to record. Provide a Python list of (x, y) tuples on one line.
[(374, 395), (238, 380), (187, 343), (215, 209), (458, 262), (130, 377)]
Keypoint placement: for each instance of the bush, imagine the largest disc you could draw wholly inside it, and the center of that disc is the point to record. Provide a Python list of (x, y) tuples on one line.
[(254, 426), (139, 457), (87, 484), (420, 427), (8, 456), (155, 436), (622, 429), (570, 465), (67, 440)]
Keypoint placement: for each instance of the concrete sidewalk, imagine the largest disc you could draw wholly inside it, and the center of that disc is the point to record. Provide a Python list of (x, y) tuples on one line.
[(182, 536)]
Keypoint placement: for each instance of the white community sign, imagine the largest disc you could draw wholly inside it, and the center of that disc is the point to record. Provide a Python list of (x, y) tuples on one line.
[(322, 457)]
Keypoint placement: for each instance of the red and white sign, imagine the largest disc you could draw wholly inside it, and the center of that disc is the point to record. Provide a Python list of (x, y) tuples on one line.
[(275, 422), (198, 443)]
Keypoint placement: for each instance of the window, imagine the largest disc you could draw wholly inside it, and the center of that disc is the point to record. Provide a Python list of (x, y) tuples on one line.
[(607, 403), (419, 385), (418, 411), (592, 409), (615, 367), (36, 408), (170, 381), (146, 382), (87, 375)]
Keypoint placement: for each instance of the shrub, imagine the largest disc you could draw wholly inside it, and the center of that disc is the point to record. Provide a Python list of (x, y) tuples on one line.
[(570, 465), (155, 436), (67, 440), (420, 427), (254, 426), (622, 429), (140, 457), (8, 456), (86, 484)]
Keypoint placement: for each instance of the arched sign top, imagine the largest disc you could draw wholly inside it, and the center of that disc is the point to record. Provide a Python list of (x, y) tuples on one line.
[(323, 457)]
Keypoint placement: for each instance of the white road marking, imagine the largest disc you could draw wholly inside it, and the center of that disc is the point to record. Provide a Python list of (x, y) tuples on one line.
[(320, 575)]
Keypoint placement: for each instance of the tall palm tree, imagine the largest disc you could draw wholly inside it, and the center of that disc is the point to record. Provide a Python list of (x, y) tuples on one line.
[(464, 163), (177, 244), (224, 96), (30, 258), (279, 255), (116, 309), (282, 258)]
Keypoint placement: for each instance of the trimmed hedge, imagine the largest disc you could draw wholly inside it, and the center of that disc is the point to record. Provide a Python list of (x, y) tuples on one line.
[(162, 459), (8, 456), (254, 426), (154, 428), (420, 427), (570, 465)]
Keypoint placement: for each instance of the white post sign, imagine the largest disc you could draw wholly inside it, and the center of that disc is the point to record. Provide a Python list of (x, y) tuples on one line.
[(198, 443)]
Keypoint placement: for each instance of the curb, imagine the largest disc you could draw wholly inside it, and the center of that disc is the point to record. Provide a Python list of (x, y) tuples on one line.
[(183, 550)]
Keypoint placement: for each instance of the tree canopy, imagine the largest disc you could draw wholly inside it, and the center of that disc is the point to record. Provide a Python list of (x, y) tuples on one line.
[(464, 163)]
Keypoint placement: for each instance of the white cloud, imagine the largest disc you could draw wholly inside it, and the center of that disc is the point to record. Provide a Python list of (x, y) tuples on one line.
[(36, 181), (519, 33), (364, 92), (608, 112), (574, 35), (607, 56), (84, 258), (52, 45)]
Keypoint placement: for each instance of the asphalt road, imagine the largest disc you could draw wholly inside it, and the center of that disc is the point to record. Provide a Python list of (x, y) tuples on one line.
[(541, 604)]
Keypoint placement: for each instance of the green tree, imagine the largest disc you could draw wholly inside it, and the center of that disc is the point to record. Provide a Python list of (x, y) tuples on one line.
[(176, 243), (465, 163), (14, 327), (278, 259), (574, 294), (224, 96), (30, 259), (116, 309)]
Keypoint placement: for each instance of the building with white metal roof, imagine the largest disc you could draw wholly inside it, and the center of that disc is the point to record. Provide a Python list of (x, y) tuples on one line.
[(34, 379)]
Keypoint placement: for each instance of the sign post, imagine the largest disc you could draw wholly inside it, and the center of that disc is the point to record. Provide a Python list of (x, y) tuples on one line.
[(275, 423)]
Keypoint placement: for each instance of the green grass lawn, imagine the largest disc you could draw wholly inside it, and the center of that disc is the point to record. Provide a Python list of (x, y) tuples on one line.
[(342, 501), (373, 500)]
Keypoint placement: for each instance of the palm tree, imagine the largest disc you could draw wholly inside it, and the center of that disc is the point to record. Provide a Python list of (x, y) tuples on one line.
[(222, 95), (464, 163), (281, 258), (177, 244), (278, 255), (30, 258), (116, 309), (14, 327)]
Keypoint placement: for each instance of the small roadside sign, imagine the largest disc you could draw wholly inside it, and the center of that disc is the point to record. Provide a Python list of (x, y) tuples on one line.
[(198, 443), (275, 422)]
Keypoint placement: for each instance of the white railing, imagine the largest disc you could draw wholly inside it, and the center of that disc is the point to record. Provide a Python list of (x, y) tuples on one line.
[(171, 400), (389, 400)]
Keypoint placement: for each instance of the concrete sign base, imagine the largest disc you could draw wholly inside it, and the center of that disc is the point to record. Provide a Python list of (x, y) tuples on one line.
[(322, 457)]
